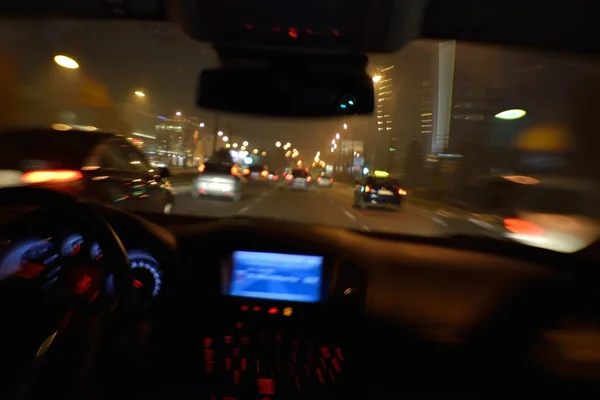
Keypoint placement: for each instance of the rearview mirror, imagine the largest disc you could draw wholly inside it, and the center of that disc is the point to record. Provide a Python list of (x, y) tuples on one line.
[(284, 92)]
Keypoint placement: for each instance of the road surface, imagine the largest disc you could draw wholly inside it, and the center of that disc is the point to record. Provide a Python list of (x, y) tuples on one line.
[(330, 206)]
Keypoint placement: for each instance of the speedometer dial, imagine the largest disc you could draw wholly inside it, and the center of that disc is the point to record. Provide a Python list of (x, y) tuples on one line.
[(146, 273), (34, 260), (71, 246)]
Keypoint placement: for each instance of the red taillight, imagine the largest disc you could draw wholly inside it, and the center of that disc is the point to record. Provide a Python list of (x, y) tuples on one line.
[(201, 168), (519, 226), (51, 176), (275, 177), (235, 170)]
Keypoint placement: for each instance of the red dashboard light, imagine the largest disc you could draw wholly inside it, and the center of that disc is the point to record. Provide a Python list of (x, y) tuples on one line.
[(273, 310), (244, 308), (256, 308)]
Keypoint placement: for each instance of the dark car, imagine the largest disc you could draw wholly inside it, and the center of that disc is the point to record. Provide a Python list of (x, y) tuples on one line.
[(298, 179), (378, 192), (89, 164), (257, 174)]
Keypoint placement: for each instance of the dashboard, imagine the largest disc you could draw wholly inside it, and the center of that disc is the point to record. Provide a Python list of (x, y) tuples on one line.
[(322, 296)]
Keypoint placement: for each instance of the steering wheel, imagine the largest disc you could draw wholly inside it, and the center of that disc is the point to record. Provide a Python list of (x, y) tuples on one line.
[(86, 300)]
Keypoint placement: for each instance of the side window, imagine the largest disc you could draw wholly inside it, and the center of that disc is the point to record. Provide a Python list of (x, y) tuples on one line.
[(134, 158), (112, 158)]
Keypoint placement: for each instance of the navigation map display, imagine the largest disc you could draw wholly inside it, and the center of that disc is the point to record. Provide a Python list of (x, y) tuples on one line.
[(274, 276)]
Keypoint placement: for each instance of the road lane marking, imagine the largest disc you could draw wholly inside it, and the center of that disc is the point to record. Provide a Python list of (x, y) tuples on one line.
[(349, 215), (417, 209), (243, 210), (182, 189)]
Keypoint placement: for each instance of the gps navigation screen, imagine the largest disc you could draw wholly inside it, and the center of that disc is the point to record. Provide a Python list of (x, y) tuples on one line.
[(276, 276)]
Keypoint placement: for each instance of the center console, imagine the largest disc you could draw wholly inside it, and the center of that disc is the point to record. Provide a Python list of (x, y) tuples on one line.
[(279, 330), (289, 315)]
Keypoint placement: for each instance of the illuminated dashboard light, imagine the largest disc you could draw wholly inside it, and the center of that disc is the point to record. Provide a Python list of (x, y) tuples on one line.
[(287, 311), (348, 291), (273, 310), (256, 308), (244, 308)]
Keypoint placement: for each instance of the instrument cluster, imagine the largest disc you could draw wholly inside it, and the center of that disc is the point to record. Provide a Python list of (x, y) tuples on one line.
[(41, 261)]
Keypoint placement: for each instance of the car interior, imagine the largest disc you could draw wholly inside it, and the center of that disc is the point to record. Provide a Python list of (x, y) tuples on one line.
[(386, 314)]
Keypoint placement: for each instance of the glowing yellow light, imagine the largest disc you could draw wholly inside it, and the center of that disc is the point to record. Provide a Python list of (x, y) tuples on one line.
[(287, 311)]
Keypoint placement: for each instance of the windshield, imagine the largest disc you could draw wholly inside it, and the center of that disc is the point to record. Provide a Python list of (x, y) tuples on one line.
[(447, 115)]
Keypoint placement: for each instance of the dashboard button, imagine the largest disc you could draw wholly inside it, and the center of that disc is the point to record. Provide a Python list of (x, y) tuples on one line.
[(266, 386)]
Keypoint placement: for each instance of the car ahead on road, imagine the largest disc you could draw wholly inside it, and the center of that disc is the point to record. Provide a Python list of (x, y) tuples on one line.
[(555, 213), (378, 191), (93, 165), (218, 179), (325, 181), (298, 179), (256, 174)]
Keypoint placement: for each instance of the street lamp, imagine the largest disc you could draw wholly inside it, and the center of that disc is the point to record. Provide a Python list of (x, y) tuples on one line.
[(376, 78), (66, 62), (220, 133), (225, 138), (264, 154), (255, 151), (345, 126), (178, 113), (227, 145), (139, 93), (337, 136), (332, 141), (201, 124), (245, 143), (277, 144), (235, 145)]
